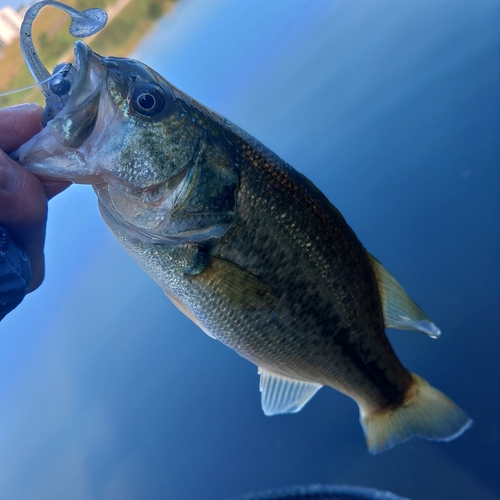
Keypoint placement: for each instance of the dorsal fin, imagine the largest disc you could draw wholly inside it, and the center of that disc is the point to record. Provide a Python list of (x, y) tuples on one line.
[(399, 310), (283, 394)]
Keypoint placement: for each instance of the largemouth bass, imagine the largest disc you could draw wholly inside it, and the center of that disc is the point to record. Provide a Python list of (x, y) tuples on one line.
[(243, 244)]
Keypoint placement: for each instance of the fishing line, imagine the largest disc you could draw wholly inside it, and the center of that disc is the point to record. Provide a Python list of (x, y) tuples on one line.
[(9, 92)]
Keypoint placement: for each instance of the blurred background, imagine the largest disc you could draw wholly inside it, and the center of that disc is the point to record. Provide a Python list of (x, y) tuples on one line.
[(393, 110)]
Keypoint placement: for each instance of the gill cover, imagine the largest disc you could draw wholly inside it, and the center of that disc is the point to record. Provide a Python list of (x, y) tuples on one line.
[(193, 205), (170, 181)]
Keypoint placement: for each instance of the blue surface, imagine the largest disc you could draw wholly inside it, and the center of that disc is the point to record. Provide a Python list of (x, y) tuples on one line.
[(393, 110)]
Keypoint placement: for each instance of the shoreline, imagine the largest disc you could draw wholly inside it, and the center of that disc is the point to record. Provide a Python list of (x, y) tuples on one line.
[(125, 16)]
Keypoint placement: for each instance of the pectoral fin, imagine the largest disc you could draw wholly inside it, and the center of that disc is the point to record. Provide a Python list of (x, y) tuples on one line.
[(227, 281), (399, 310), (284, 395), (232, 283)]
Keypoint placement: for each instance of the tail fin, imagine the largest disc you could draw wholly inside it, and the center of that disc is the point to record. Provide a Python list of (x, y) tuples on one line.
[(426, 413)]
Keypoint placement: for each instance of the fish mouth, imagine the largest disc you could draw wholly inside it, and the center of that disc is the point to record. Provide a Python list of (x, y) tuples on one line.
[(69, 80), (82, 65), (66, 78), (81, 58), (71, 116), (70, 83)]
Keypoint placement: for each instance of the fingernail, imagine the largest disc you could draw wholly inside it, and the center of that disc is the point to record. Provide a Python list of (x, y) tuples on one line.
[(8, 176)]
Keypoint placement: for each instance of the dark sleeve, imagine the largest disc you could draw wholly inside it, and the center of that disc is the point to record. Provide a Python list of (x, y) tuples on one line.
[(15, 274)]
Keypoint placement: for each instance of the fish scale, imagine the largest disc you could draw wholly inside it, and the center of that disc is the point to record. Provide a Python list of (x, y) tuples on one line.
[(282, 344), (311, 325), (244, 245)]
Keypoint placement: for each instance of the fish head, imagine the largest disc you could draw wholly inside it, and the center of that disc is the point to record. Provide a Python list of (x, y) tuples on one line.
[(157, 159)]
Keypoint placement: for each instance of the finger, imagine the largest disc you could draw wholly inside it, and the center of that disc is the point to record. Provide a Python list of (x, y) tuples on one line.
[(52, 188), (23, 199), (18, 124)]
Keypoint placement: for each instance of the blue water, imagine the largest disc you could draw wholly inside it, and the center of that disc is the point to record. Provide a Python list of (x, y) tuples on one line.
[(393, 110)]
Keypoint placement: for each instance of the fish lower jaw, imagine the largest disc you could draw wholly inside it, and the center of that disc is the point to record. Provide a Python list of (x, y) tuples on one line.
[(67, 172), (47, 160)]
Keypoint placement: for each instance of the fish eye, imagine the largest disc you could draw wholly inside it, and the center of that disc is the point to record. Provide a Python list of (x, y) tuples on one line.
[(149, 100)]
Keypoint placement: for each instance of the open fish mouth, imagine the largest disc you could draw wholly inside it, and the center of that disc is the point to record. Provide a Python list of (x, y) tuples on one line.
[(72, 100), (67, 79), (72, 109), (70, 117)]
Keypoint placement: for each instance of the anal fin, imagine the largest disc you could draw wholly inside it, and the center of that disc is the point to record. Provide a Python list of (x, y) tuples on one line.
[(284, 395)]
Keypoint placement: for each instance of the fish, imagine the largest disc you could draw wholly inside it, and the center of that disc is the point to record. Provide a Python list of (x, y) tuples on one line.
[(244, 245), (323, 492)]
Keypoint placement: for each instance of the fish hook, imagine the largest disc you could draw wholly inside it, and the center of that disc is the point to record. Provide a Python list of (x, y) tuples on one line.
[(83, 24)]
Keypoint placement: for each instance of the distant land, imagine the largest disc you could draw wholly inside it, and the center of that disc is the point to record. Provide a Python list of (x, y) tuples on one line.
[(129, 21)]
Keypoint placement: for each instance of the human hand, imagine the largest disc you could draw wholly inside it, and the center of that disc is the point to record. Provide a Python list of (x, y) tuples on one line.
[(23, 196)]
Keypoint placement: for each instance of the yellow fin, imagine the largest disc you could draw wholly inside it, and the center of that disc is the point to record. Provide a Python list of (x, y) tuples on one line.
[(426, 413), (399, 310)]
